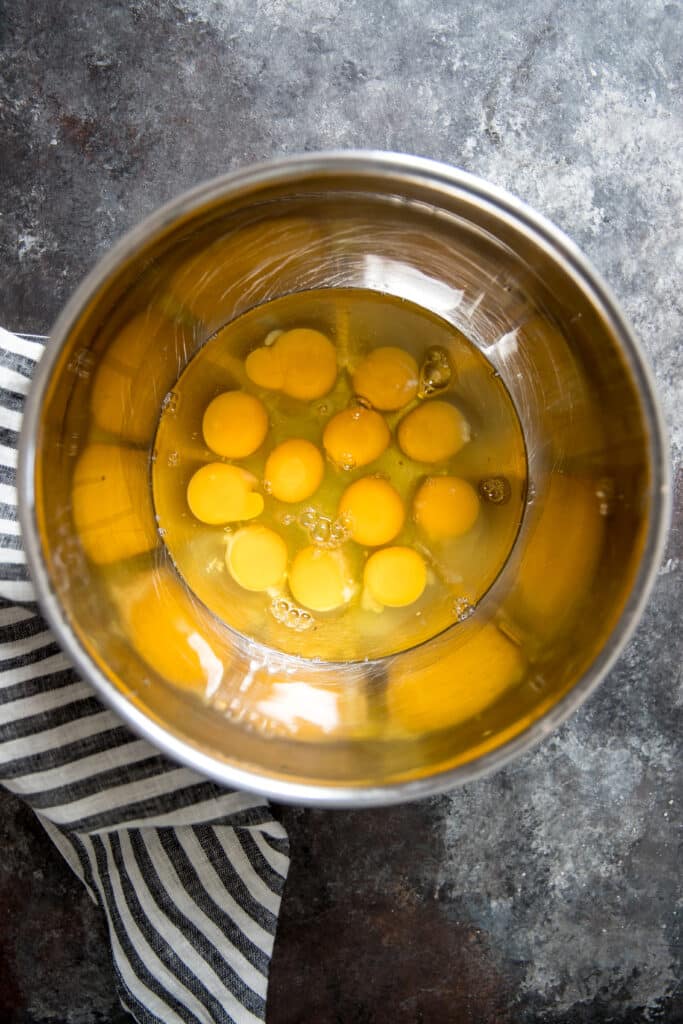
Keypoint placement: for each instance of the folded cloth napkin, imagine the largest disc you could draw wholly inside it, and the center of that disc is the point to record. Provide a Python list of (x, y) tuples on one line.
[(189, 875)]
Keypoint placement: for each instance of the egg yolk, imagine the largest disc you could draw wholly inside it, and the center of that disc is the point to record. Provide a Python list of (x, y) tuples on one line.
[(112, 506), (318, 579), (219, 493), (294, 470), (433, 432), (257, 558), (302, 363), (166, 632), (235, 424), (356, 437), (395, 576), (388, 377), (264, 368), (373, 511), (446, 506), (455, 685)]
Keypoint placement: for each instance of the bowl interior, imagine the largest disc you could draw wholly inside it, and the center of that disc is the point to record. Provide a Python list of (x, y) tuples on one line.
[(521, 295)]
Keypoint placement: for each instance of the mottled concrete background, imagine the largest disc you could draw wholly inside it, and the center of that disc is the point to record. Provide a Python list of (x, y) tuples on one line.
[(546, 893)]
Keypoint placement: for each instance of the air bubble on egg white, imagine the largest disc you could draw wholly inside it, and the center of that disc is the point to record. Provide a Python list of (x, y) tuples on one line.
[(321, 534), (462, 608), (290, 615), (495, 489), (435, 373), (169, 403), (323, 531), (340, 532), (308, 518)]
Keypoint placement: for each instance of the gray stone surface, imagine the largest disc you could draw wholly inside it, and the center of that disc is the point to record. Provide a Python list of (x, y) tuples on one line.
[(548, 892)]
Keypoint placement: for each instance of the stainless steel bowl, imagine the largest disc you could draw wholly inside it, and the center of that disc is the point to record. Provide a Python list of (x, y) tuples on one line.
[(586, 555)]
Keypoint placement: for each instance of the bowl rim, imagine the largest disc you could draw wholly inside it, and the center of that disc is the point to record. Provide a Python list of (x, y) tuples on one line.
[(565, 254)]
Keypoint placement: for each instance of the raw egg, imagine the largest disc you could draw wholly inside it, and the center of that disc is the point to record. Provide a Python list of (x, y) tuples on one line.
[(433, 432), (318, 579), (256, 558), (302, 363), (235, 424), (356, 437), (388, 377), (373, 511), (219, 493), (294, 470), (395, 577), (446, 506)]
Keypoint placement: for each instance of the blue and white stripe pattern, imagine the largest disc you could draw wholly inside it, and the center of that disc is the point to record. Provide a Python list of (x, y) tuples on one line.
[(189, 876)]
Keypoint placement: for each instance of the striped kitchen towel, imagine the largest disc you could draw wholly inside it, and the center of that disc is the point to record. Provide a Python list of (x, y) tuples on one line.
[(189, 876)]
